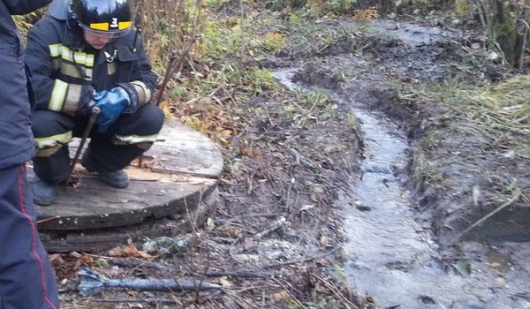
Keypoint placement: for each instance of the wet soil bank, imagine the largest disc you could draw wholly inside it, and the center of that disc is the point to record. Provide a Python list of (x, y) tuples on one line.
[(402, 223)]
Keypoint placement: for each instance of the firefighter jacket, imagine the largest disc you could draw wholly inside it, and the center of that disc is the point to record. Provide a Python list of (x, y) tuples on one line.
[(16, 142), (65, 70)]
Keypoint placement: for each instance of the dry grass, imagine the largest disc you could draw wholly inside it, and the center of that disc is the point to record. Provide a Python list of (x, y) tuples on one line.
[(498, 115)]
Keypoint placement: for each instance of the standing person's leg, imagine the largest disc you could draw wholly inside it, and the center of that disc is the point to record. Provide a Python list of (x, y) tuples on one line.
[(26, 276)]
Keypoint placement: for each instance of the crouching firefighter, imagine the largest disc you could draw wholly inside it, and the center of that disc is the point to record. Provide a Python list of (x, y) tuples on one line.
[(86, 54)]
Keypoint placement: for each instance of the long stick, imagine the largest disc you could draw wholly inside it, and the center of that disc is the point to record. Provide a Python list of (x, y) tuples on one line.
[(172, 58), (173, 67), (95, 112)]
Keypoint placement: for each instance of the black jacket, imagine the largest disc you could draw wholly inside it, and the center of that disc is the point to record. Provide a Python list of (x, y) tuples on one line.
[(16, 141), (65, 70)]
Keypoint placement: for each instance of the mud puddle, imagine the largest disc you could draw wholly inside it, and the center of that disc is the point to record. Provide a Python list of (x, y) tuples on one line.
[(411, 34), (391, 256)]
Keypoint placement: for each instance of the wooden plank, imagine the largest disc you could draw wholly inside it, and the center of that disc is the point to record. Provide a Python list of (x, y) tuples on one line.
[(184, 168)]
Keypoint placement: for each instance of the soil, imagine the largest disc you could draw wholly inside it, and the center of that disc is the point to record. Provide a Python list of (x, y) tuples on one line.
[(277, 240)]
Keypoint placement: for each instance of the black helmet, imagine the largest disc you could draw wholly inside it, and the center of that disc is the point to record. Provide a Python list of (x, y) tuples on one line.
[(103, 17)]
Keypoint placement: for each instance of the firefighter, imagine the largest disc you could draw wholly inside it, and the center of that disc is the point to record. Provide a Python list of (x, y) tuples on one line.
[(86, 54), (26, 276)]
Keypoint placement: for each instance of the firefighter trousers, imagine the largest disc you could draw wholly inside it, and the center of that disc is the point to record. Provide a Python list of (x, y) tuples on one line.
[(26, 276), (128, 138)]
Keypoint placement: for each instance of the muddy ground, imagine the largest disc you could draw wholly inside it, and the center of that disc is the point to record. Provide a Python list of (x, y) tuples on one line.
[(277, 239)]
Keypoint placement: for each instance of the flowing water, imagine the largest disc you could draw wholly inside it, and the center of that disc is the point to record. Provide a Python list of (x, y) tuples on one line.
[(392, 257)]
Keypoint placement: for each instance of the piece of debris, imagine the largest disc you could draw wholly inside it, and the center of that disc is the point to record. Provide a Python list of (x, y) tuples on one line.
[(164, 245), (278, 223), (91, 282)]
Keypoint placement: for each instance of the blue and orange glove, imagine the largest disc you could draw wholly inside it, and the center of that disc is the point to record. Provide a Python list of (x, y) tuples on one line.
[(112, 103)]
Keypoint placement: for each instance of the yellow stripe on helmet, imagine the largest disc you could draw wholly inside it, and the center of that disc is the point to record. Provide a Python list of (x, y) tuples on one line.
[(124, 25), (100, 26)]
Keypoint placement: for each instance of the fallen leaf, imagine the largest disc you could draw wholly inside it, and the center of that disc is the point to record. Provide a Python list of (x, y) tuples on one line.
[(102, 262), (323, 240), (249, 243), (210, 225), (280, 295), (306, 207), (225, 282), (129, 251), (56, 258), (83, 261)]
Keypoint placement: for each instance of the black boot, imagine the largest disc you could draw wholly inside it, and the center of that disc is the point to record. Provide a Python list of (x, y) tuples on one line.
[(49, 172), (44, 193), (118, 179)]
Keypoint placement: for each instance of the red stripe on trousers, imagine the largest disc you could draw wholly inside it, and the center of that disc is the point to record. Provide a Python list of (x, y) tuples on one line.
[(34, 235)]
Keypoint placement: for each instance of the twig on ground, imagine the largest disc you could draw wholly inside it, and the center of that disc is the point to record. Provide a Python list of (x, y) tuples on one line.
[(271, 228), (233, 274), (47, 219), (237, 219), (515, 196), (481, 13), (263, 299), (135, 300), (300, 261), (134, 263), (234, 300), (334, 289), (288, 291), (521, 56), (288, 196), (300, 159)]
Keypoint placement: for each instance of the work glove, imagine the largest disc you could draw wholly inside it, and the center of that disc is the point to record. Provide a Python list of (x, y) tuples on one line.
[(133, 97), (111, 104)]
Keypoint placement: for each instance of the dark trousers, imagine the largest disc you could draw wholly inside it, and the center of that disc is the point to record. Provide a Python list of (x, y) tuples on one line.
[(146, 121), (26, 276)]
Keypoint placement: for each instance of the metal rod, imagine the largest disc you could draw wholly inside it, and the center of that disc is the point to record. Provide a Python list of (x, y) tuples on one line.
[(91, 282), (95, 112), (167, 76)]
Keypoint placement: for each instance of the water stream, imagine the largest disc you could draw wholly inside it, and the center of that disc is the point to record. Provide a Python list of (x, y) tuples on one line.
[(391, 257)]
